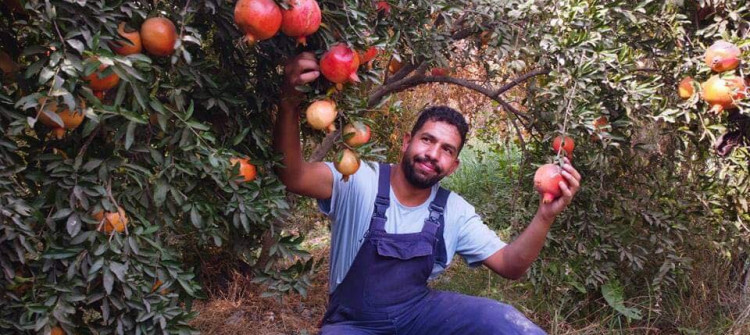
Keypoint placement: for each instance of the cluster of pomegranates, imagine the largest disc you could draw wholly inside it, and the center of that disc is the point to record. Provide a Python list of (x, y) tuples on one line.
[(548, 176), (723, 89), (157, 35), (262, 19)]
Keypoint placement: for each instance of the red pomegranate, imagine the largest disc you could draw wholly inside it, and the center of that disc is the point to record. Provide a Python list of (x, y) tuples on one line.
[(246, 170), (721, 93), (130, 45), (301, 19), (567, 146), (356, 134), (321, 114), (97, 83), (439, 71), (258, 19), (384, 7), (547, 182), (339, 65), (347, 163), (367, 56), (723, 56), (159, 35), (685, 89)]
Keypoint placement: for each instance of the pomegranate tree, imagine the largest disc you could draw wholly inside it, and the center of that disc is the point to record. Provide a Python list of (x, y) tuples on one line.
[(258, 19), (547, 182), (301, 20)]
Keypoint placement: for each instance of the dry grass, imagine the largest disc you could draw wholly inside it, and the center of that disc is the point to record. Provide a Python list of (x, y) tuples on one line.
[(240, 309)]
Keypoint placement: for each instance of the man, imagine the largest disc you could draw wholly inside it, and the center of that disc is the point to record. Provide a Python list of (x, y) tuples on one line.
[(394, 227)]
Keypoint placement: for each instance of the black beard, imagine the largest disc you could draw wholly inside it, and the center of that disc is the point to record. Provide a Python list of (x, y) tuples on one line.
[(413, 178)]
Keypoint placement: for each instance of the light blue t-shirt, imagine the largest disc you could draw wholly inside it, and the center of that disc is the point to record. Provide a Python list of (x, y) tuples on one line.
[(351, 206)]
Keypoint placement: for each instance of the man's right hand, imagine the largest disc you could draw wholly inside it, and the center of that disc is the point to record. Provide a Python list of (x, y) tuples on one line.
[(298, 71)]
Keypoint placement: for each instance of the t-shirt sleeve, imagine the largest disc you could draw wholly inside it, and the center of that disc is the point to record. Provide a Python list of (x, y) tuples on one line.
[(325, 205), (476, 241)]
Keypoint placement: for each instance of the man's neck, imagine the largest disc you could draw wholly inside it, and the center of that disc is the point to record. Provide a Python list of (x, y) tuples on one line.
[(405, 192)]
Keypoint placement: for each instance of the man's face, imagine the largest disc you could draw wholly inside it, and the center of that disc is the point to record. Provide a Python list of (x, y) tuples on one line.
[(431, 154)]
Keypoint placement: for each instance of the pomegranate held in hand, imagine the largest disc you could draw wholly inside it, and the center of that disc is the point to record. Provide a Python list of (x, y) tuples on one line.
[(258, 19), (301, 19), (547, 182)]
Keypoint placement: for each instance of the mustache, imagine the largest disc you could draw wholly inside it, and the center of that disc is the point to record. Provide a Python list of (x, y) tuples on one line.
[(432, 162)]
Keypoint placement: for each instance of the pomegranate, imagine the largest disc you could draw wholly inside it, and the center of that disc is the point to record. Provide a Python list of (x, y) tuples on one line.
[(439, 72), (70, 120), (368, 55), (721, 93), (485, 37), (394, 65), (567, 146), (383, 7), (113, 221), (600, 122), (339, 65), (98, 83), (130, 45), (258, 19), (356, 134), (99, 95), (347, 163), (723, 56), (686, 89), (158, 36), (301, 19), (247, 170), (320, 114), (547, 182)]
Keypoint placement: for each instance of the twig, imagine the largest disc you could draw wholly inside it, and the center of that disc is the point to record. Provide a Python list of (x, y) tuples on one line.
[(62, 40), (88, 141)]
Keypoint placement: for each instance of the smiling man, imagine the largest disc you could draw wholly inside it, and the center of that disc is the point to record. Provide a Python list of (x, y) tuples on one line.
[(394, 228)]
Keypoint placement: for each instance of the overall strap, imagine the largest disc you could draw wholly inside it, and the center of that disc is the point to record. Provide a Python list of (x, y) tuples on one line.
[(383, 199), (436, 223)]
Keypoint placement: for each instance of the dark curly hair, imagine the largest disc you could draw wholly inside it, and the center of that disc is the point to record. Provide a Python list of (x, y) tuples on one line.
[(443, 114)]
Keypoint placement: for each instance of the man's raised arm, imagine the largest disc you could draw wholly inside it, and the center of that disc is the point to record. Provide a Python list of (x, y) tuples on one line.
[(313, 179)]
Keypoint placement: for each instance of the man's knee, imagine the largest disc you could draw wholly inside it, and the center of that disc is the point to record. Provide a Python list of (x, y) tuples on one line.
[(499, 318)]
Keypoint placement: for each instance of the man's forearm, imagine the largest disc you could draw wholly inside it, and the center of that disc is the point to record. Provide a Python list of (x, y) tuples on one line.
[(518, 256), (286, 140)]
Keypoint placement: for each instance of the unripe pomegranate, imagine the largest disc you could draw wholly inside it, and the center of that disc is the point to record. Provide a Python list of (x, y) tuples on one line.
[(567, 146), (686, 89), (98, 83), (723, 56), (547, 182), (339, 65), (247, 170), (159, 35), (721, 93), (258, 19), (131, 44), (321, 114), (356, 134), (301, 19), (368, 55), (347, 163)]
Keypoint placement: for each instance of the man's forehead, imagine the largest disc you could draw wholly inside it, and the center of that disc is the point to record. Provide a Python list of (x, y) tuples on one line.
[(442, 130)]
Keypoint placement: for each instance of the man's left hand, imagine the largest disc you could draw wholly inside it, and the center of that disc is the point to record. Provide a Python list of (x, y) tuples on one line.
[(569, 188)]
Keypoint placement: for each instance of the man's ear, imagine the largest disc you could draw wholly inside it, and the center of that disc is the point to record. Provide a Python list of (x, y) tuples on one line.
[(454, 167), (405, 142)]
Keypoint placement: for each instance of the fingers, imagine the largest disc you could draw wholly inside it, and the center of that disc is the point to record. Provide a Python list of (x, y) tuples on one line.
[(309, 76), (302, 69)]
